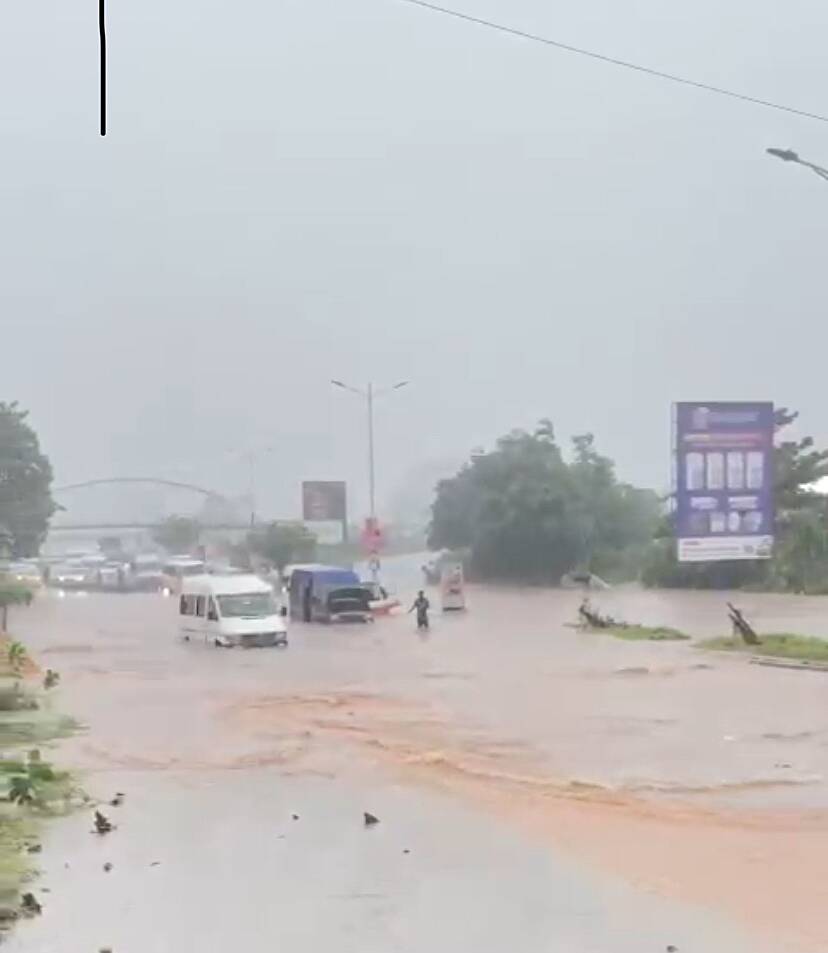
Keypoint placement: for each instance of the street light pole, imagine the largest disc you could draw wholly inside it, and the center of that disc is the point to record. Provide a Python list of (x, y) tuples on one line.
[(788, 155), (371, 470), (369, 395)]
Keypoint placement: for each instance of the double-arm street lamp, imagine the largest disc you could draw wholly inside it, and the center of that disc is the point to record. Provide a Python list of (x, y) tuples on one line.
[(369, 395)]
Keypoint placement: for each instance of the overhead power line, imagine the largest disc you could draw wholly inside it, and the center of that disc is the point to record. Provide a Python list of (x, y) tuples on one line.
[(613, 61)]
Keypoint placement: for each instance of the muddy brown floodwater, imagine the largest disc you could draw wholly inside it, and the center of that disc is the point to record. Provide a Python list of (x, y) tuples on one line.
[(536, 786)]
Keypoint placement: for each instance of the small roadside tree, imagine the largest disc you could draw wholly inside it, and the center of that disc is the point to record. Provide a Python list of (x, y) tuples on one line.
[(12, 593), (282, 543), (178, 534), (26, 504)]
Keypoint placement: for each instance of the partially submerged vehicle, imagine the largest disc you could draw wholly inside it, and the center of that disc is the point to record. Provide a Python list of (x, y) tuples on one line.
[(452, 588), (27, 573), (328, 594), (178, 568), (69, 575), (145, 573), (231, 610)]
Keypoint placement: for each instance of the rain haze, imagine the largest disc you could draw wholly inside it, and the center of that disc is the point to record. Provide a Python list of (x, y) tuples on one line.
[(296, 191), (277, 722)]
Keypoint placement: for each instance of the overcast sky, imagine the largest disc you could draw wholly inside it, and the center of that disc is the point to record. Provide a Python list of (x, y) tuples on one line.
[(294, 190)]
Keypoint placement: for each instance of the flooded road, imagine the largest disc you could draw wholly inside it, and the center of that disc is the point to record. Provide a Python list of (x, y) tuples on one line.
[(536, 785)]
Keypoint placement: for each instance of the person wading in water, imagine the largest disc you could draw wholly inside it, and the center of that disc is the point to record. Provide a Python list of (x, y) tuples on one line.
[(421, 606)]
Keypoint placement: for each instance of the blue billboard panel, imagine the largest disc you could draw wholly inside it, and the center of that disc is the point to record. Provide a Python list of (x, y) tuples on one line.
[(723, 480)]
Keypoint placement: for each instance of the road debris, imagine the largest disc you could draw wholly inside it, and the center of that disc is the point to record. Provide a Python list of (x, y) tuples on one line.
[(107, 867), (50, 679), (741, 626), (30, 906), (118, 800), (102, 824), (34, 848), (370, 819)]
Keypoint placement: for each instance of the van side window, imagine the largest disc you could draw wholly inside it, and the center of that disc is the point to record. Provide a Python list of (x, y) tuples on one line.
[(212, 613), (200, 605)]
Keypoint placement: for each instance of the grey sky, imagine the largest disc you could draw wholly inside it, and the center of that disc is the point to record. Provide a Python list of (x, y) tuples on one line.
[(297, 190)]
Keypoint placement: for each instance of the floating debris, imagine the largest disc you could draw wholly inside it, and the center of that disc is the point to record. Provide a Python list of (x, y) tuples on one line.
[(370, 819), (294, 817), (34, 848), (107, 867), (118, 800)]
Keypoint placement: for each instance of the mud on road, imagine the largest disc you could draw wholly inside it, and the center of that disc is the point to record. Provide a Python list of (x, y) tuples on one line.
[(681, 797)]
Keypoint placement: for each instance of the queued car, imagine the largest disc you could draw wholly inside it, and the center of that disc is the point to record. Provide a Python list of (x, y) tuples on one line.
[(27, 573), (70, 575)]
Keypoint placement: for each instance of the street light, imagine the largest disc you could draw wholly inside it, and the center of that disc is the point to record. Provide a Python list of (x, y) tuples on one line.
[(370, 395), (251, 456), (788, 155)]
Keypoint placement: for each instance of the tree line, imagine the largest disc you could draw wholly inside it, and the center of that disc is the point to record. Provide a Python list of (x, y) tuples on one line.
[(524, 511)]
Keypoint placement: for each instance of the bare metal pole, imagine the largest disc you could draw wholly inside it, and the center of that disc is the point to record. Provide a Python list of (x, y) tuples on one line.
[(371, 471), (369, 395)]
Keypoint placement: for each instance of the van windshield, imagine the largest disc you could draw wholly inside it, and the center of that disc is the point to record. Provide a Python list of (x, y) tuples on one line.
[(254, 605)]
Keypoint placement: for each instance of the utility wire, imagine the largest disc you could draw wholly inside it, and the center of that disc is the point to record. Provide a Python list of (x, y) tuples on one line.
[(671, 77)]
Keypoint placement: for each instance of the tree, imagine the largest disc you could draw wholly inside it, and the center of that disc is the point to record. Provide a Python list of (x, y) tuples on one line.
[(26, 503), (12, 593), (282, 543), (112, 547), (526, 514), (178, 534)]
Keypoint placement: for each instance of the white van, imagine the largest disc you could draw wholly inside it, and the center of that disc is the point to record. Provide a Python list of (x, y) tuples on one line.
[(231, 610)]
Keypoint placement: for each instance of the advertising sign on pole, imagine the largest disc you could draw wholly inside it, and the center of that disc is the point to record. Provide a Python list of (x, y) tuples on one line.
[(723, 480), (324, 509), (372, 536)]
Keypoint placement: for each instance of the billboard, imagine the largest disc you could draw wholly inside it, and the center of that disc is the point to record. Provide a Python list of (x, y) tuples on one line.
[(325, 510), (723, 480)]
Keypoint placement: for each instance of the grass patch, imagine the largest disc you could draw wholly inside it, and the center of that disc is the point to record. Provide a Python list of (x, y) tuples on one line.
[(17, 832), (637, 633), (31, 788), (646, 633), (803, 648)]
